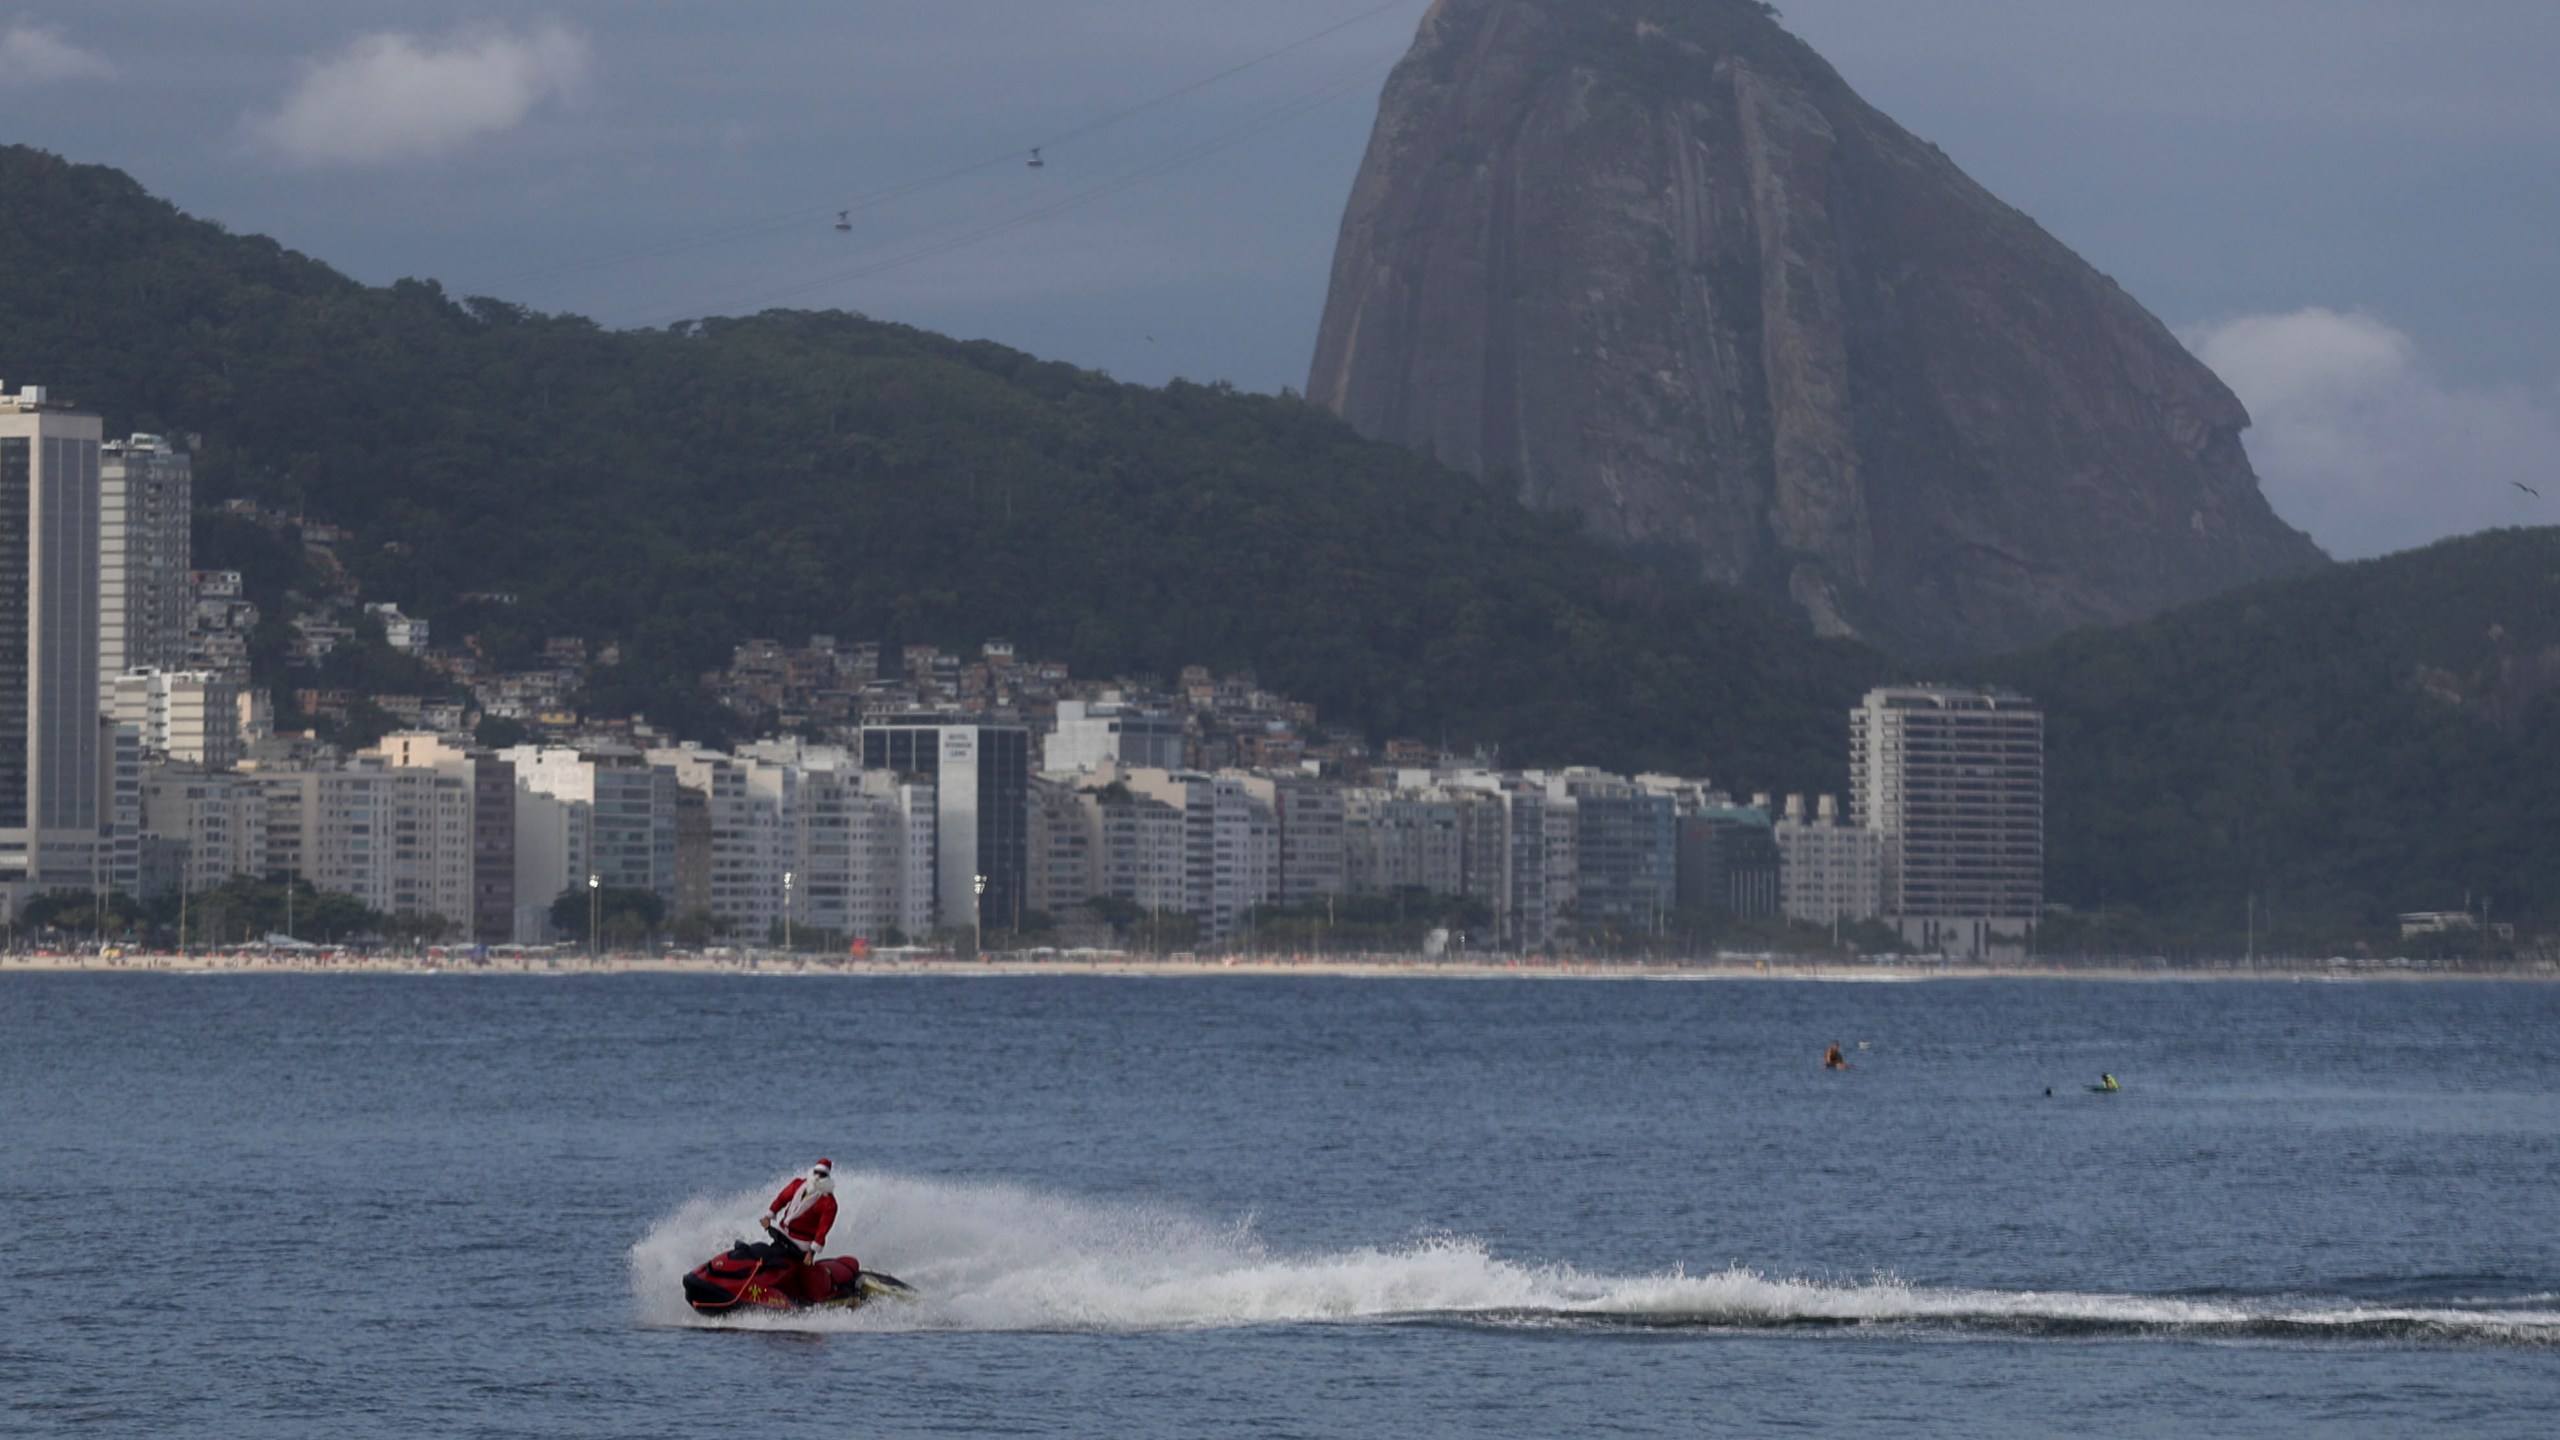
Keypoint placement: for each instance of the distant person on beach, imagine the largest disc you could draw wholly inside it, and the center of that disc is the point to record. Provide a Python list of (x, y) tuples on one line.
[(1832, 1059)]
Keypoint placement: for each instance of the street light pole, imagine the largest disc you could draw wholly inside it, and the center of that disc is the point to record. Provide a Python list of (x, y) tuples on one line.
[(786, 911), (978, 914), (595, 915)]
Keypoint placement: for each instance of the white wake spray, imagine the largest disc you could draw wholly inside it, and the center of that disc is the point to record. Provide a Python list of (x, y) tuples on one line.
[(995, 1257)]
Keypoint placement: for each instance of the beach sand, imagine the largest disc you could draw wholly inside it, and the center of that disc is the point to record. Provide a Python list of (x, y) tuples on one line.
[(1733, 967)]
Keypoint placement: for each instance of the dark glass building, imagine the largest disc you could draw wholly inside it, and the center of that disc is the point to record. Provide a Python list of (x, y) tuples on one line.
[(982, 812)]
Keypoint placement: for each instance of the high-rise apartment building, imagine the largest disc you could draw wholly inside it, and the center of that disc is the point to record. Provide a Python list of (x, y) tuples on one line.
[(1063, 834), (187, 717), (145, 594), (1230, 845), (850, 852), (1402, 840), (1506, 825), (752, 807), (1138, 849), (212, 825), (1626, 850), (1313, 860), (1090, 735), (1953, 780), (51, 747), (1829, 872), (118, 867), (399, 838), (600, 812), (487, 909)]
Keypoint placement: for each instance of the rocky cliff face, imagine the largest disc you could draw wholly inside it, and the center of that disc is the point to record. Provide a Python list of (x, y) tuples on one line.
[(1655, 261)]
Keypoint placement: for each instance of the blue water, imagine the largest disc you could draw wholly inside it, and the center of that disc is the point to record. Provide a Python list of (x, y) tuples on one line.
[(458, 1206)]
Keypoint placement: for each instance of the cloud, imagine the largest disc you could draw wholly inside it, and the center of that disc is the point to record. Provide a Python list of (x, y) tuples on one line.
[(33, 54), (2361, 444), (394, 97)]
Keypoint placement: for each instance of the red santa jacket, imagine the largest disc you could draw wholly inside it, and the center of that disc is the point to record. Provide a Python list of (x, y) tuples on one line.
[(807, 1224)]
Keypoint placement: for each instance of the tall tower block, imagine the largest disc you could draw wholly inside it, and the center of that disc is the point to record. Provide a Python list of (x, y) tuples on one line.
[(1953, 780), (50, 745)]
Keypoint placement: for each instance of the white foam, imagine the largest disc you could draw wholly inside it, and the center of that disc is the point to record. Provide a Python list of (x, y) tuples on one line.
[(997, 1257)]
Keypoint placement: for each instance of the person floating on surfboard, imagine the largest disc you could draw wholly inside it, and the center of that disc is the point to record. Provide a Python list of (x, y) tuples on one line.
[(1832, 1059), (2106, 1085)]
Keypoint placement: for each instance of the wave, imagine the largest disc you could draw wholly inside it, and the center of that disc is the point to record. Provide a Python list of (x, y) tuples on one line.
[(998, 1257)]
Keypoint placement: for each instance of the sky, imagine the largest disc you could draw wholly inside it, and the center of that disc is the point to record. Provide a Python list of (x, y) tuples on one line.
[(2347, 207)]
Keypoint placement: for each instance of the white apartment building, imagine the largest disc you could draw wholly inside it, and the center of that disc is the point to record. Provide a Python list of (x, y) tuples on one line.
[(917, 816), (404, 633), (145, 591), (1828, 870), (1399, 840), (1953, 780), (1064, 841), (398, 838), (1231, 845), (850, 852), (626, 828), (1139, 848), (1093, 734), (185, 717), (490, 915), (753, 809), (1507, 856), (1314, 862), (215, 822), (802, 834), (551, 856)]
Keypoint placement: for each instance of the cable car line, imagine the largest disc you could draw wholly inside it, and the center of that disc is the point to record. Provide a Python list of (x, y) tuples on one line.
[(844, 208), (1294, 109)]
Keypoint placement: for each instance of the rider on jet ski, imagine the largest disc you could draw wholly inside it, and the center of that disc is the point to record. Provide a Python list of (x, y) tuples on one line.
[(800, 1217)]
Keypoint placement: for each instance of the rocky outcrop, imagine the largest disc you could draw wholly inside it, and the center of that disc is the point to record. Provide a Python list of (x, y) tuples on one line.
[(1654, 261)]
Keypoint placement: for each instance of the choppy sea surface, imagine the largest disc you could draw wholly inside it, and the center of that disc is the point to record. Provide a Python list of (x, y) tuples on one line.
[(456, 1206)]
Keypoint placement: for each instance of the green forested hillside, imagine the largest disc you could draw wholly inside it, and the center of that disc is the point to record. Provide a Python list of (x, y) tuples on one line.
[(682, 489), (2370, 739)]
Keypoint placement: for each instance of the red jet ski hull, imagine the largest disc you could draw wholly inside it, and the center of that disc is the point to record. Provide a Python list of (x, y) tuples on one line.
[(744, 1279)]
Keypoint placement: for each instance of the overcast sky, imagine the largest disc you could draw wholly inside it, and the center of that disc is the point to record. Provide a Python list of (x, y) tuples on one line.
[(2347, 206)]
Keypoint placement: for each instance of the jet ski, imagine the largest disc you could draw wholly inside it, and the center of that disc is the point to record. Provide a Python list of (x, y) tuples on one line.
[(746, 1277)]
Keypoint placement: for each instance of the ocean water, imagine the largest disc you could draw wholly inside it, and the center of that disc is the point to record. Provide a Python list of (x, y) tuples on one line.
[(458, 1206)]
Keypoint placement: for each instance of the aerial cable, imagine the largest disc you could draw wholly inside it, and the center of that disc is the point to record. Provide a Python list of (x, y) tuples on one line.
[(1269, 120), (844, 207), (1273, 119)]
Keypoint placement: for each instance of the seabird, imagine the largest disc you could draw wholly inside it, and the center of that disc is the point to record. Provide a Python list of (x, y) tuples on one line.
[(2529, 490)]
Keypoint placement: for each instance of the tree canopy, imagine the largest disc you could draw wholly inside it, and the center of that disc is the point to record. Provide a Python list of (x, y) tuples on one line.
[(2370, 739)]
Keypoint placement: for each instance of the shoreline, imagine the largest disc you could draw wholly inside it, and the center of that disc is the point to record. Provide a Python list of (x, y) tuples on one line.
[(1331, 967)]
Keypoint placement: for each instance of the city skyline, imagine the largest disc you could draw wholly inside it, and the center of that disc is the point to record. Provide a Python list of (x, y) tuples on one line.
[(142, 779)]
